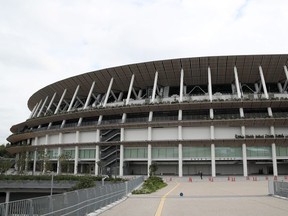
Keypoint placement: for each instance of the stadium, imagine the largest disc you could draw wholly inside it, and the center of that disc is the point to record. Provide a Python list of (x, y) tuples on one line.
[(220, 115)]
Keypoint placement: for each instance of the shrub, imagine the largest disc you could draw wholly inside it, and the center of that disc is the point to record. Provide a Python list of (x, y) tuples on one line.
[(151, 185)]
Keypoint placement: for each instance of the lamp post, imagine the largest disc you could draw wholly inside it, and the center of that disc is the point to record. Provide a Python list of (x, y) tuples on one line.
[(52, 183)]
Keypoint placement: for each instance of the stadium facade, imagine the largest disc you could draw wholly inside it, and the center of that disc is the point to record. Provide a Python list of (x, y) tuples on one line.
[(221, 115)]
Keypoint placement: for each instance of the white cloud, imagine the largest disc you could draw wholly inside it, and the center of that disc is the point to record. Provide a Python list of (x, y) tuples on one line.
[(45, 41)]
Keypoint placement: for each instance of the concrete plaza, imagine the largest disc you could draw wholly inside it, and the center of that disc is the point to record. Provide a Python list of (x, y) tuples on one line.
[(223, 198)]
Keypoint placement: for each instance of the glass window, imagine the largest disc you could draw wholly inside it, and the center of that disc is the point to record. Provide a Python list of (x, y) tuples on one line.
[(223, 151), (259, 151), (282, 150), (196, 152)]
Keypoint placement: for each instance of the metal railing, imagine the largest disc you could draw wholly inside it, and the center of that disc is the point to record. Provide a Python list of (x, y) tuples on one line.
[(278, 188), (74, 203)]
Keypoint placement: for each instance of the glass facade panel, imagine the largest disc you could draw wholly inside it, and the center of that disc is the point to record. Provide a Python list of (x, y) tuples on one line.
[(164, 152), (228, 151), (282, 151), (87, 153), (196, 152), (259, 151), (69, 153), (135, 152)]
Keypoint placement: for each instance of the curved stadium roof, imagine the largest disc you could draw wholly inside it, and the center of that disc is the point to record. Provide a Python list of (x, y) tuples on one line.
[(169, 74)]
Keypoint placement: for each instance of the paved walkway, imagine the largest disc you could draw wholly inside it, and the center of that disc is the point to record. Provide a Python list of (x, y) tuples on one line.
[(204, 198)]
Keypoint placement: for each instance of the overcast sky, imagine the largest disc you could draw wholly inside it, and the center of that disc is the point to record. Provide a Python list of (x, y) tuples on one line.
[(42, 42)]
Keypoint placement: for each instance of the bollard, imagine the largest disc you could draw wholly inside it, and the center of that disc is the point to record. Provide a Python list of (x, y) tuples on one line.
[(275, 178), (190, 179), (267, 178), (247, 178), (228, 178)]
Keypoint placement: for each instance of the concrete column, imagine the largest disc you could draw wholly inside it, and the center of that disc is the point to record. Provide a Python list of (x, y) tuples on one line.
[(241, 110), (89, 95), (41, 109), (96, 160), (108, 92), (210, 85), (280, 89), (263, 82), (50, 104), (149, 155), (7, 200), (244, 157), (76, 160), (274, 160), (121, 165), (180, 160), (211, 113), (130, 90), (59, 103), (286, 74), (181, 85), (213, 161), (36, 110), (237, 82), (270, 114), (26, 161), (33, 110), (34, 162), (59, 161), (73, 98), (154, 87)]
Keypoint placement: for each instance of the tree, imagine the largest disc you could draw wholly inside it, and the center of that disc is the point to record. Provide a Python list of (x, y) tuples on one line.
[(4, 153), (64, 162), (5, 164), (152, 169)]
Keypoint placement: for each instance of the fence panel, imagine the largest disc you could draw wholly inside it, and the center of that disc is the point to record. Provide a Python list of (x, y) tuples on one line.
[(281, 188), (75, 203)]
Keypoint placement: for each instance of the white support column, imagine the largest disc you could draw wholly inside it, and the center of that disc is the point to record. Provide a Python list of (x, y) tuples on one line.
[(121, 165), (263, 82), (241, 110), (180, 151), (108, 92), (210, 85), (286, 74), (59, 161), (44, 161), (73, 98), (122, 138), (26, 161), (244, 158), (97, 152), (237, 82), (211, 113), (149, 159), (41, 109), (34, 162), (130, 90), (33, 110), (149, 150), (274, 160), (270, 113), (37, 108), (180, 160), (213, 161), (50, 104), (60, 101), (181, 85), (154, 87), (280, 89), (76, 159), (89, 95)]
